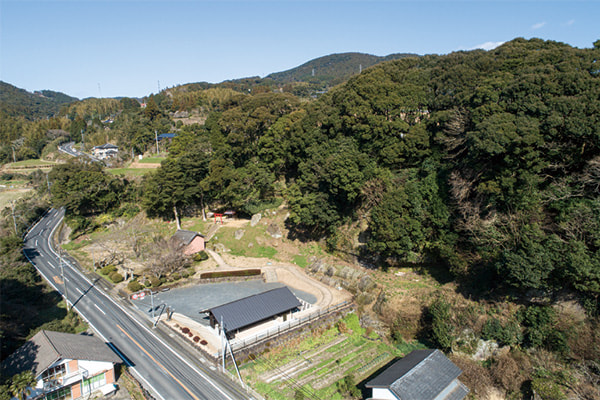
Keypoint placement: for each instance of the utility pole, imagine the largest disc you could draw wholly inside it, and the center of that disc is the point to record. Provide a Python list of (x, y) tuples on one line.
[(156, 138), (62, 273), (14, 158), (223, 344), (12, 206), (48, 182)]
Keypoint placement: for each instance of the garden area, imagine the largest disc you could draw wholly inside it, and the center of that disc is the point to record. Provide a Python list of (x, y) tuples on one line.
[(328, 362)]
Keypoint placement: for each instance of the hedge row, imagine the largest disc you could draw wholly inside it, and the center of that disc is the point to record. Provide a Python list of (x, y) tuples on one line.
[(223, 274)]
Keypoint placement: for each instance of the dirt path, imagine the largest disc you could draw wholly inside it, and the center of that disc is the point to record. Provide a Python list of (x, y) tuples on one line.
[(290, 275)]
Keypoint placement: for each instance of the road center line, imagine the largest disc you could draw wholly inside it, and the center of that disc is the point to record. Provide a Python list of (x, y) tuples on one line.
[(157, 363)]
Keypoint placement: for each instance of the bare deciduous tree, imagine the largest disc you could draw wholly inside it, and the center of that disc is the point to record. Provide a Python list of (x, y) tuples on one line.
[(167, 258)]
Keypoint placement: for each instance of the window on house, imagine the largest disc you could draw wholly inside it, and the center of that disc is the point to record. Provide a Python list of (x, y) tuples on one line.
[(60, 394), (89, 385), (54, 372)]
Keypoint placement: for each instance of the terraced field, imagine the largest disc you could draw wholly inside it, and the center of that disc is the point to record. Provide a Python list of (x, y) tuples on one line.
[(313, 364)]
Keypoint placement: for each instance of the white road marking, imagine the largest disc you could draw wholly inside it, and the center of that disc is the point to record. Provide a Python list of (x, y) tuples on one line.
[(79, 290), (202, 374), (99, 309)]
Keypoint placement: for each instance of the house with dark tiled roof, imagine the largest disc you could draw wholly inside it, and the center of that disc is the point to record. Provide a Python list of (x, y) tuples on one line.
[(189, 241), (105, 151), (422, 375), (65, 366), (273, 304)]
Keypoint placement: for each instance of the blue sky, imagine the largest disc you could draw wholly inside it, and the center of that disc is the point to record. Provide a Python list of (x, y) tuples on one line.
[(124, 48)]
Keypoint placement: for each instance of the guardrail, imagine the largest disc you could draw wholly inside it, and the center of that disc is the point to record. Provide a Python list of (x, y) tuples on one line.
[(238, 344)]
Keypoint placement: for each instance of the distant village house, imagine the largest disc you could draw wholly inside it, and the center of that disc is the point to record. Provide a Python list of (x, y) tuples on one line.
[(105, 151)]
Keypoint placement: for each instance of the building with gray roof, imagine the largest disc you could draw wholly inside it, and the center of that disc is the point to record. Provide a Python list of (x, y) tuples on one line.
[(423, 375), (190, 242), (252, 310), (64, 363)]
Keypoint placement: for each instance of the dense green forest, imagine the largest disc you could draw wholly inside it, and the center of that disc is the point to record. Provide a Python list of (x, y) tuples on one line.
[(331, 70), (485, 162), (18, 102), (479, 167)]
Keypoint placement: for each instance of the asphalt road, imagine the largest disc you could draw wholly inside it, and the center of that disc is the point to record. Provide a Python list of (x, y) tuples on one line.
[(164, 372), (68, 149)]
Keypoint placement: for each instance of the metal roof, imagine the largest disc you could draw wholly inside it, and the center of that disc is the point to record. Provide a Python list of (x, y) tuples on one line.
[(47, 347), (185, 237), (253, 309), (424, 375), (106, 146), (167, 135)]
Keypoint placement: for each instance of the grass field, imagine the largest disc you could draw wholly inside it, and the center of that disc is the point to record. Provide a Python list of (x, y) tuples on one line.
[(30, 164), (7, 196), (250, 245), (152, 160)]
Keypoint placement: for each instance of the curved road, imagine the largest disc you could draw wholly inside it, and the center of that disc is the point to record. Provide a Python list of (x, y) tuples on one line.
[(163, 371)]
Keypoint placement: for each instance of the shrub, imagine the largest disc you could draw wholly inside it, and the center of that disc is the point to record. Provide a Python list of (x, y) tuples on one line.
[(116, 277), (222, 274), (108, 269), (176, 276), (134, 286), (196, 339), (200, 256), (509, 334), (185, 330), (154, 281), (442, 329), (347, 386), (203, 342)]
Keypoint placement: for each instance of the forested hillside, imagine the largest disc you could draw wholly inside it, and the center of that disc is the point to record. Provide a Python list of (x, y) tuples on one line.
[(333, 69), (479, 168), (484, 162), (18, 102)]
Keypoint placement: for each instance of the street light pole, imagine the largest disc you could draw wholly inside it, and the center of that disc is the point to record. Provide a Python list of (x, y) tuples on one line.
[(152, 304)]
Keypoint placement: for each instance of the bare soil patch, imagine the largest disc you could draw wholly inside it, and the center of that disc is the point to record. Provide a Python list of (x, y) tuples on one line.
[(136, 164)]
